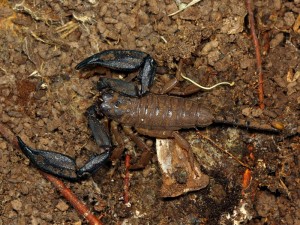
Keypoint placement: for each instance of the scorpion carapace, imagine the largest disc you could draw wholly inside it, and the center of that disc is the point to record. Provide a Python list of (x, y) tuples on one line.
[(130, 105)]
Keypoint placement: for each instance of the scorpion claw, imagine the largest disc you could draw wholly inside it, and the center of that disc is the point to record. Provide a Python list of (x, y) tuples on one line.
[(147, 74), (62, 165), (50, 162), (119, 60), (123, 61), (93, 164)]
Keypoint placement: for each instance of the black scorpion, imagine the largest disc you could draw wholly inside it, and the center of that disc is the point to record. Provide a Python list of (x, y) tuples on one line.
[(130, 105)]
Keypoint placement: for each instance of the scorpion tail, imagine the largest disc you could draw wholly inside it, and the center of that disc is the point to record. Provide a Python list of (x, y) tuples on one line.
[(247, 125)]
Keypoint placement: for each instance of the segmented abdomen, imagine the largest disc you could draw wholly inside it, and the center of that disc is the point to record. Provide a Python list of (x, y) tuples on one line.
[(158, 112)]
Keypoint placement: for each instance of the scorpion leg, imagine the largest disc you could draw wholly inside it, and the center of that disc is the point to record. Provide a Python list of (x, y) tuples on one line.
[(147, 152), (123, 61), (120, 86), (64, 166)]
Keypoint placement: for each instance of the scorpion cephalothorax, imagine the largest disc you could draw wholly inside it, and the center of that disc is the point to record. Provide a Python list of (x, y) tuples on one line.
[(130, 105)]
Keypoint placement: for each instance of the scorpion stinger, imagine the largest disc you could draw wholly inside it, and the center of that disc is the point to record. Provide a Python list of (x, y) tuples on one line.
[(64, 166)]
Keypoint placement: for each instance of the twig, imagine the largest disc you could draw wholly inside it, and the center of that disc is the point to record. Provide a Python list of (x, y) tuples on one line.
[(126, 179), (81, 208), (257, 53)]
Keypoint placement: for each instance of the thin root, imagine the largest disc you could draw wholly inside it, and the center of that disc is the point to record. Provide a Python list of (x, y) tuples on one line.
[(207, 88)]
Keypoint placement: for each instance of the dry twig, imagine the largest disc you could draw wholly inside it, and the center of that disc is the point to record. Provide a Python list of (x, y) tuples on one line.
[(257, 53), (126, 179)]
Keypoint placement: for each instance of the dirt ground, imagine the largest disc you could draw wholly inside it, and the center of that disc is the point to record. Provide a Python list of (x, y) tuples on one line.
[(43, 100)]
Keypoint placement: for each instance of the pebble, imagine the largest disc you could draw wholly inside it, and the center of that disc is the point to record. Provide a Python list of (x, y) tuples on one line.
[(276, 40), (209, 46), (246, 63), (213, 57), (24, 189), (16, 204), (5, 118), (12, 214), (62, 206), (269, 113), (40, 123), (3, 145), (246, 111), (256, 112), (277, 4), (289, 18), (291, 88), (280, 81)]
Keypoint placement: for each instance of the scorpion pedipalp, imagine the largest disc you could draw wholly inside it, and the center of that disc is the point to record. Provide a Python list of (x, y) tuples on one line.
[(65, 166), (119, 60), (123, 61)]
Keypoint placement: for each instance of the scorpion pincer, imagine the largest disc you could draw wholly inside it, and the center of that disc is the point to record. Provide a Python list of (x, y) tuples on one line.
[(128, 104)]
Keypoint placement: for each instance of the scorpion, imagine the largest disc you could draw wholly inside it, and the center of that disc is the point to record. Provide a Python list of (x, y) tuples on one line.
[(128, 104)]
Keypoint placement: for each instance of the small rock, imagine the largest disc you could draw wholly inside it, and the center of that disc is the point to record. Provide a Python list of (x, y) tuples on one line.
[(280, 81), (153, 7), (246, 111), (12, 214), (62, 206), (47, 216), (209, 46), (276, 40), (40, 123), (181, 176), (256, 112), (77, 223), (3, 145), (24, 189), (233, 25), (277, 4), (16, 204), (246, 63), (269, 113), (5, 118), (289, 18), (213, 57), (291, 88)]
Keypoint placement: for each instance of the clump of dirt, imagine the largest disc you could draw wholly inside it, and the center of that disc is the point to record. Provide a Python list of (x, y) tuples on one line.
[(43, 100)]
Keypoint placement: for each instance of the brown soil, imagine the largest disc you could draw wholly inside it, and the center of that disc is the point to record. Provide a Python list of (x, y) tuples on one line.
[(43, 100)]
